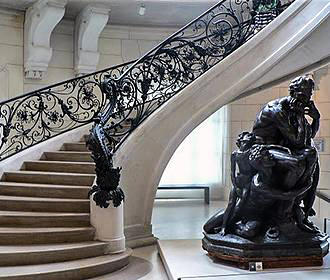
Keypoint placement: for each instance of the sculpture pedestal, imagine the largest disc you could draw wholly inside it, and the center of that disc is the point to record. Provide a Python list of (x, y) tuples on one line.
[(293, 248)]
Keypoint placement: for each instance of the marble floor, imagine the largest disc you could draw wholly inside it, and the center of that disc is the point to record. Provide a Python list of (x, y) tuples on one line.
[(182, 218), (172, 219)]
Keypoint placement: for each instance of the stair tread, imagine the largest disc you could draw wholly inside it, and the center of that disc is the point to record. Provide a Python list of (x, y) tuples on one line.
[(42, 229), (82, 144), (6, 249), (41, 199), (61, 162), (43, 214), (70, 143), (69, 152), (26, 270), (33, 185), (31, 172)]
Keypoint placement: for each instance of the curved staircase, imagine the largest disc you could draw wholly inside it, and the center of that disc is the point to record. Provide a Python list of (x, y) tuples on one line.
[(44, 209), (45, 228)]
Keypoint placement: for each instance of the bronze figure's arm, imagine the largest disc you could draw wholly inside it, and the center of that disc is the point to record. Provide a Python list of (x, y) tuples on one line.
[(314, 113), (295, 135)]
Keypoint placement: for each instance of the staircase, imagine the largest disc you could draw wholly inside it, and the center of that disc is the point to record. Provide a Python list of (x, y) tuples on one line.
[(45, 231), (45, 228)]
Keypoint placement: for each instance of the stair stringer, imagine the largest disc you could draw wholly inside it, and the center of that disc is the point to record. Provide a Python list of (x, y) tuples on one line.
[(275, 54)]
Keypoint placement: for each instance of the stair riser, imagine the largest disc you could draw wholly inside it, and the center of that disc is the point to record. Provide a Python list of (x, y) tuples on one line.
[(44, 206), (45, 238), (75, 274), (66, 157), (50, 179), (45, 192), (64, 221), (52, 256), (77, 147), (57, 167)]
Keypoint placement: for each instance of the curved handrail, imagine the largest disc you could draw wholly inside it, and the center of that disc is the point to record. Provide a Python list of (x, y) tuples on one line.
[(165, 71), (34, 117), (177, 61)]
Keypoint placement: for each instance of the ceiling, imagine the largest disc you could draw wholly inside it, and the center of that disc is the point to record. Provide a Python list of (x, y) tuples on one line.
[(125, 12)]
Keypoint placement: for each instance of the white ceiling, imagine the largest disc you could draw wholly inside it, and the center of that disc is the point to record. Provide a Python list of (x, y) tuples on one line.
[(125, 12)]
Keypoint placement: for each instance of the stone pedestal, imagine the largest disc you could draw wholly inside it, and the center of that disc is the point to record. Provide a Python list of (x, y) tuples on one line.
[(109, 226), (293, 248), (185, 259)]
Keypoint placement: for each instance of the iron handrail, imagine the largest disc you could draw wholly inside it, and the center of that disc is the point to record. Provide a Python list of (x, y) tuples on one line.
[(162, 73)]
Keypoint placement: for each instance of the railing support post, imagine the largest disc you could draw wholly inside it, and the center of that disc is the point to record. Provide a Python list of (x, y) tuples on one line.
[(109, 225)]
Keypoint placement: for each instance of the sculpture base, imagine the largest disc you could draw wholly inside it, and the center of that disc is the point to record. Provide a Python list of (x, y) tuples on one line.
[(293, 248)]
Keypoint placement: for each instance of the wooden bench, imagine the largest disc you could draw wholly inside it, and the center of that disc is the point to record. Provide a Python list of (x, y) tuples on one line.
[(206, 189)]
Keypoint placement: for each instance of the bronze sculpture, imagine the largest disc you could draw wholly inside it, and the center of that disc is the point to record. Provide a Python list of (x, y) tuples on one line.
[(274, 174)]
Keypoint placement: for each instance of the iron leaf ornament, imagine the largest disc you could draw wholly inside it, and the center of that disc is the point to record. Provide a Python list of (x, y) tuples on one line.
[(107, 177)]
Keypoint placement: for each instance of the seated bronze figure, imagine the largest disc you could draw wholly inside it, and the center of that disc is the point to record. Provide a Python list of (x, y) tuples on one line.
[(274, 173)]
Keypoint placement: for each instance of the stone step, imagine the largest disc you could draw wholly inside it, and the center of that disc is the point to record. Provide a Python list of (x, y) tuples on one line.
[(43, 219), (57, 178), (67, 156), (43, 190), (73, 270), (78, 147), (20, 235), (60, 166), (49, 253), (38, 204)]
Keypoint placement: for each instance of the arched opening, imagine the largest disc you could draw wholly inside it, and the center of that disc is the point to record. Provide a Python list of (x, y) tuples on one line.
[(201, 161)]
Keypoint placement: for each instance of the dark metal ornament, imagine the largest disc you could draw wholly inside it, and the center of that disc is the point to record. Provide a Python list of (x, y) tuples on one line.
[(107, 180), (120, 98), (45, 113), (275, 173), (170, 67)]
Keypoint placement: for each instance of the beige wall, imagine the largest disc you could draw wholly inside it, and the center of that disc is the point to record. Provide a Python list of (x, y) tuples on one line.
[(117, 44), (11, 54), (322, 98)]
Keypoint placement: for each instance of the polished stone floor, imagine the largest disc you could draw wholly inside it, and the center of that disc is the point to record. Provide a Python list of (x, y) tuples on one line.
[(172, 219), (182, 218)]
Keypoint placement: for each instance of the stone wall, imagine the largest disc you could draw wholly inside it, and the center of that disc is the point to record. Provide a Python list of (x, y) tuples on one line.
[(11, 54)]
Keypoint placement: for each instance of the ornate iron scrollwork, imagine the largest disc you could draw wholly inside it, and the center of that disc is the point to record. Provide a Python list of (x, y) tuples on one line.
[(171, 66), (120, 98), (42, 114)]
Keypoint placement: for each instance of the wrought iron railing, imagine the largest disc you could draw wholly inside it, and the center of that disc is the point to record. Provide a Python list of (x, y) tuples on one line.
[(120, 98), (34, 117), (165, 71)]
